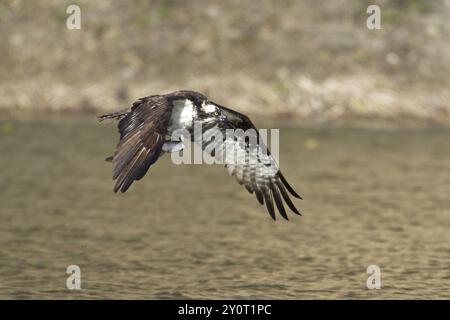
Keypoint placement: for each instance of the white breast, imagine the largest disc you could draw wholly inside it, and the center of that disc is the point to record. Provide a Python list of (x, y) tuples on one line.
[(182, 114)]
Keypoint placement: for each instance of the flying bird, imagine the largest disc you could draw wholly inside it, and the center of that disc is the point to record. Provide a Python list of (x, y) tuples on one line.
[(145, 135)]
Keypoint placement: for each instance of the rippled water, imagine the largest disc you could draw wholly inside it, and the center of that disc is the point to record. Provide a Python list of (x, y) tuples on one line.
[(371, 197)]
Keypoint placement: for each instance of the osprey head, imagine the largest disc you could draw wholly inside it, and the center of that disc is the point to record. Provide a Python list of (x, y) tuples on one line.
[(205, 110), (210, 111), (195, 97)]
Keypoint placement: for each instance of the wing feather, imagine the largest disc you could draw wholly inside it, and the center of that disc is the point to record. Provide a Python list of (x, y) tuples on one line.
[(269, 202), (142, 135), (253, 166), (278, 201), (286, 197)]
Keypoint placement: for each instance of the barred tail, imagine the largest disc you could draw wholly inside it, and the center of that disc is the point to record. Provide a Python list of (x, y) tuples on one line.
[(116, 115)]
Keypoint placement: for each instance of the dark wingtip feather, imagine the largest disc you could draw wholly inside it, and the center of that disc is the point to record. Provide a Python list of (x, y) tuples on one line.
[(259, 196), (278, 201), (121, 185), (290, 189), (109, 159), (286, 197), (269, 203), (294, 209), (271, 212)]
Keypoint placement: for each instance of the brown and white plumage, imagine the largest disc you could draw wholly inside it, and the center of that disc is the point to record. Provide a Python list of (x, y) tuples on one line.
[(143, 136), (251, 164)]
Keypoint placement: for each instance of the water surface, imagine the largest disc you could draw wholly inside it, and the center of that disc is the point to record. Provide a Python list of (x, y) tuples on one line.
[(371, 197)]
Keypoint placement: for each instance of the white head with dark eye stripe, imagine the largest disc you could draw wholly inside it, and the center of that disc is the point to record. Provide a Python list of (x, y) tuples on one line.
[(210, 108), (209, 111)]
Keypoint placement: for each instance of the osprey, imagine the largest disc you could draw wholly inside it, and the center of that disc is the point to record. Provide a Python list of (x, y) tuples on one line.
[(145, 133)]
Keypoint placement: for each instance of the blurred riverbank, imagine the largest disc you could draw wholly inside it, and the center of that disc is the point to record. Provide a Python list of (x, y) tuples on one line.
[(297, 60)]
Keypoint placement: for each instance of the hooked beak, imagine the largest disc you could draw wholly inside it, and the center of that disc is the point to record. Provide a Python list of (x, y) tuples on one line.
[(222, 118)]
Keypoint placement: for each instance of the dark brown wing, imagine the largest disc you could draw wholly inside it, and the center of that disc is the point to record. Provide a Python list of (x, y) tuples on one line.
[(252, 164), (142, 135)]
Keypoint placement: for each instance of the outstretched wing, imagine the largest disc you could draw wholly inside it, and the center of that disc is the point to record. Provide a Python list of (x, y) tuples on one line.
[(142, 135), (250, 163)]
